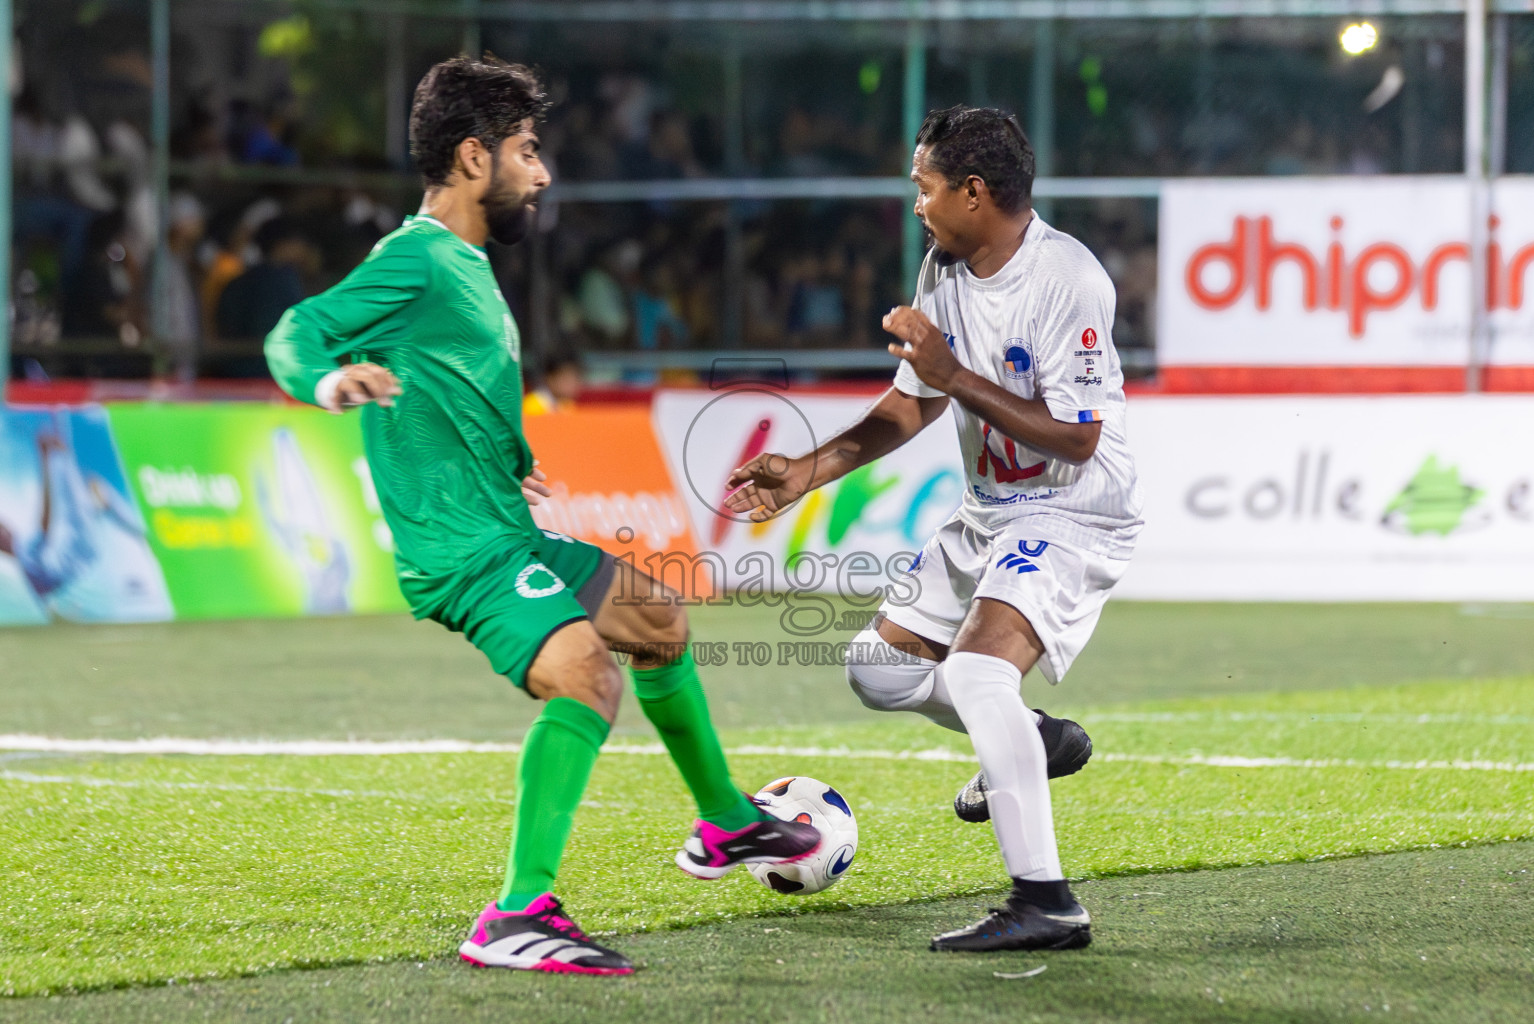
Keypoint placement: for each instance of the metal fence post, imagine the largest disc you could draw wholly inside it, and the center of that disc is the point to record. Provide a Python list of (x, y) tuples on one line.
[(5, 199), (912, 237), (732, 324), (396, 94), (1041, 118), (1496, 116), (1475, 179), (159, 131), (472, 45)]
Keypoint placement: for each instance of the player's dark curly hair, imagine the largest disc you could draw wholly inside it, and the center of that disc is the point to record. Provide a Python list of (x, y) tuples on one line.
[(985, 142), (461, 98)]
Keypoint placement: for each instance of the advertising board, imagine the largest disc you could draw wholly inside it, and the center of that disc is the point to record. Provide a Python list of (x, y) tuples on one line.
[(150, 512), (1420, 498), (1391, 498), (1354, 271), (610, 482), (258, 509), (73, 544)]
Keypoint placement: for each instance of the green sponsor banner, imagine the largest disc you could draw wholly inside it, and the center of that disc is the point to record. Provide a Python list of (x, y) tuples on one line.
[(258, 509)]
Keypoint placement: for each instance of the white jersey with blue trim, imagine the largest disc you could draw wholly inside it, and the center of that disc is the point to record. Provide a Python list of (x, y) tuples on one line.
[(1041, 327)]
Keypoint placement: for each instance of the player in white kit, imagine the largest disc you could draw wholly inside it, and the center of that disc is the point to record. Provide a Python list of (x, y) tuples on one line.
[(1011, 328)]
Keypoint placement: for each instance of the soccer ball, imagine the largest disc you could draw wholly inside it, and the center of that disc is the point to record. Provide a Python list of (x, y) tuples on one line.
[(798, 798)]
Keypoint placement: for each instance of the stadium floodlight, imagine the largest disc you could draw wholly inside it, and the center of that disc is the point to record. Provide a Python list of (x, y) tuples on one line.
[(1360, 37)]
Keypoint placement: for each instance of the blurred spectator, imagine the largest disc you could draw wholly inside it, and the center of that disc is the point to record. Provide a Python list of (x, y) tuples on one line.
[(264, 136), (587, 152), (801, 154), (79, 158), (253, 302), (183, 316), (230, 252), (603, 298), (99, 299), (559, 388), (131, 152), (861, 282), (34, 142), (1217, 97), (657, 324), (631, 102), (43, 213), (668, 152), (198, 137), (817, 309)]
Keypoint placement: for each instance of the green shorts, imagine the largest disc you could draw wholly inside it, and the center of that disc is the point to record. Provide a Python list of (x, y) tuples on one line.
[(509, 602)]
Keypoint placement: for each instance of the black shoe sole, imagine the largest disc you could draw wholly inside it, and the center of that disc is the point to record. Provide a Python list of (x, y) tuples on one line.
[(1079, 938)]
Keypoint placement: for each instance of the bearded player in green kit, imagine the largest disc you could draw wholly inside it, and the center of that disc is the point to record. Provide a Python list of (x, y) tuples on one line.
[(431, 350)]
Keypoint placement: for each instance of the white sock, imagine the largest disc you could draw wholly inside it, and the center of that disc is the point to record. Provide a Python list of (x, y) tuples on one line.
[(985, 691), (887, 679)]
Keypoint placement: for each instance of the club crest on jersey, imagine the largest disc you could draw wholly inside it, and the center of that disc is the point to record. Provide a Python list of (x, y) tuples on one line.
[(1015, 361), (538, 580)]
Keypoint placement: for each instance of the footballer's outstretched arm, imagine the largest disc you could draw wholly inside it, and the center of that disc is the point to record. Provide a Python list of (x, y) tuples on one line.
[(305, 348), (1026, 420), (771, 482)]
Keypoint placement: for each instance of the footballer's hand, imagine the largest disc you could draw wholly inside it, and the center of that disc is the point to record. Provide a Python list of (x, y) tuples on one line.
[(923, 346), (766, 485), (362, 383), (533, 487)]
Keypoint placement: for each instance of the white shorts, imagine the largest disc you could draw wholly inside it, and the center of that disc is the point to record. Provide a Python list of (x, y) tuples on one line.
[(1057, 572)]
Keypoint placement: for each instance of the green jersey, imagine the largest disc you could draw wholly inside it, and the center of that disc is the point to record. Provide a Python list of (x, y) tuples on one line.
[(448, 458)]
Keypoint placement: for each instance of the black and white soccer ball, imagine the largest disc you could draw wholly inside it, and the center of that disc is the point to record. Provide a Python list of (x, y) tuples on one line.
[(800, 798)]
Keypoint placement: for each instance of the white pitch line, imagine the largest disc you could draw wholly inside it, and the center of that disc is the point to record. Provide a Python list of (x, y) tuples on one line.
[(227, 787), (1364, 816), (349, 794), (327, 748), (1345, 717), (334, 748), (249, 748), (1233, 761), (214, 787), (844, 753)]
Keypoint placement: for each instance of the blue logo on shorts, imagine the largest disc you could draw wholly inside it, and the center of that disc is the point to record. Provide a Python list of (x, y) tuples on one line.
[(1015, 362), (1026, 549)]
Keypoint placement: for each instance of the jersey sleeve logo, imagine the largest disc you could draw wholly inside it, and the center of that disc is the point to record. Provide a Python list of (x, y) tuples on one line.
[(1089, 338), (1015, 361)]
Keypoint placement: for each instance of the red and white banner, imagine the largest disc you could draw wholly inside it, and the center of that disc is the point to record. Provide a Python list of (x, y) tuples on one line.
[(1340, 272)]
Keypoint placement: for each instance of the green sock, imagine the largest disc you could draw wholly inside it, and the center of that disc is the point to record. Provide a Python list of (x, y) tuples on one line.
[(672, 699), (557, 756)]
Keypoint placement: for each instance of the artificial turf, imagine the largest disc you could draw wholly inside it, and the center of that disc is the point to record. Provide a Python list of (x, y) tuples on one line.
[(138, 869), (1438, 937), (1226, 736), (388, 677)]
